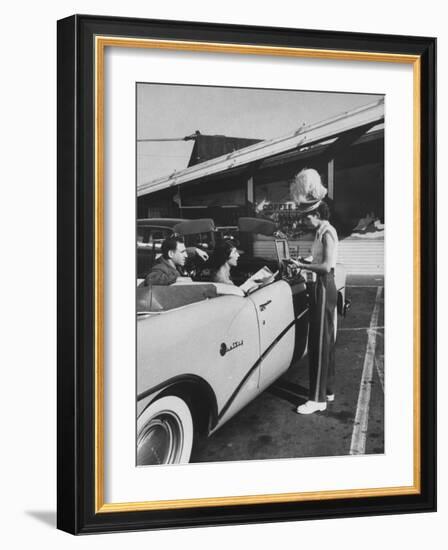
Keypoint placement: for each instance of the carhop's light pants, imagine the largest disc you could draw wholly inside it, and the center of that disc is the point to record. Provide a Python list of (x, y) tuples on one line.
[(323, 300)]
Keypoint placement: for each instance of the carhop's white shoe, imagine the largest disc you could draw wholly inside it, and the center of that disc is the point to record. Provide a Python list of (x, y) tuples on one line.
[(330, 397), (311, 407)]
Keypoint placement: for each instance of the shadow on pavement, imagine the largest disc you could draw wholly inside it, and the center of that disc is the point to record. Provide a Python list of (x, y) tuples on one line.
[(288, 391)]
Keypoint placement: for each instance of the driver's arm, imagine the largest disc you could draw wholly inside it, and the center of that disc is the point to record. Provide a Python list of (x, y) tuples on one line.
[(195, 251)]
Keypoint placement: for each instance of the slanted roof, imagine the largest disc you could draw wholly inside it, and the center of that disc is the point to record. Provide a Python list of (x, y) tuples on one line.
[(362, 117)]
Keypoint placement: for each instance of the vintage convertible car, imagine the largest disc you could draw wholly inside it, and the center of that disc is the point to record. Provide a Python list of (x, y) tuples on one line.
[(205, 350)]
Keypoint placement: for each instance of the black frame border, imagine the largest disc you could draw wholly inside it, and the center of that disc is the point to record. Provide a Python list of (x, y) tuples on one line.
[(76, 262)]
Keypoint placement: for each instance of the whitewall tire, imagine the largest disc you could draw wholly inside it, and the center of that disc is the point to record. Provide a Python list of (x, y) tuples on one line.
[(165, 432)]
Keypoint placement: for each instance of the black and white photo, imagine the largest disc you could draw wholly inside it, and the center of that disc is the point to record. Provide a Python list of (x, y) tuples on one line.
[(260, 273)]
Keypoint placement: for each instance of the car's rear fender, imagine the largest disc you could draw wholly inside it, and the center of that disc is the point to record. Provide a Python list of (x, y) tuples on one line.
[(190, 340), (343, 303)]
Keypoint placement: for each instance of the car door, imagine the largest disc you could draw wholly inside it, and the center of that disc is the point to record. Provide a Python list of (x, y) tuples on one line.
[(216, 340), (276, 325)]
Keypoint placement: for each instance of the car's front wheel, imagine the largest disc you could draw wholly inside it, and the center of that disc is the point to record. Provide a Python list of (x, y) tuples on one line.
[(165, 432)]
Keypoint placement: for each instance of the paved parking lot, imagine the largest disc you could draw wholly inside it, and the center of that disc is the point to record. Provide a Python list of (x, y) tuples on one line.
[(353, 424)]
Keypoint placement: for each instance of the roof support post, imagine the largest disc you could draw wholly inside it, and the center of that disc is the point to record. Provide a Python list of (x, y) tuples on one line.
[(330, 179), (250, 196), (250, 190)]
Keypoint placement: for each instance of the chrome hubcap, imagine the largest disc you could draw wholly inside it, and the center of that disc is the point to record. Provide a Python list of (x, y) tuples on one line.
[(161, 440)]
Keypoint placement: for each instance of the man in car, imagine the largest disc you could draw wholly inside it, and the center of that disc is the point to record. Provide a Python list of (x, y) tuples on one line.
[(174, 255)]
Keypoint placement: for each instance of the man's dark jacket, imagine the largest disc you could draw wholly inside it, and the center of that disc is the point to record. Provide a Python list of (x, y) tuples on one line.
[(162, 273)]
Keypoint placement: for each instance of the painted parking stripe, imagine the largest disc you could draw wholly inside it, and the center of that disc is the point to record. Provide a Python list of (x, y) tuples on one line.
[(359, 434)]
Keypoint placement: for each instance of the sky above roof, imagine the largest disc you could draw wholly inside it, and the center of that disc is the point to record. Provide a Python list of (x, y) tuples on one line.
[(175, 111)]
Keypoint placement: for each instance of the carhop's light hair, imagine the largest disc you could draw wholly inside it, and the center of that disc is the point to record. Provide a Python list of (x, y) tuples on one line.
[(307, 186)]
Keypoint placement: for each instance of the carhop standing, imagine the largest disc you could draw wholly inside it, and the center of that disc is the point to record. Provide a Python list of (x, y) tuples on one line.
[(308, 192)]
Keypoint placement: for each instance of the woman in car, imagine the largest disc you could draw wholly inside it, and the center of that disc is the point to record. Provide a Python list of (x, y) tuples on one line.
[(224, 257), (308, 192)]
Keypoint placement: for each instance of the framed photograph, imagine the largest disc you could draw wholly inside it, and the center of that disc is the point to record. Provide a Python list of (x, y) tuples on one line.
[(246, 274)]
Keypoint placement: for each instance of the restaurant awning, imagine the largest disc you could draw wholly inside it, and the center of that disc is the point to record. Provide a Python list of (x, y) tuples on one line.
[(343, 124)]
